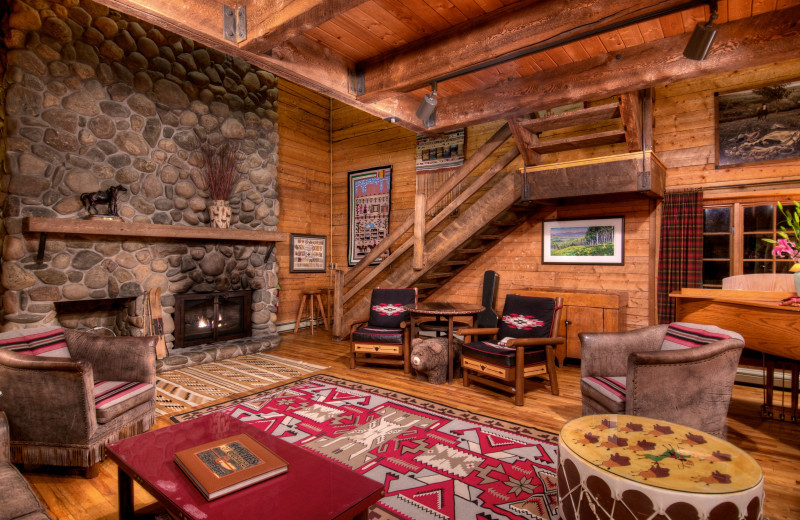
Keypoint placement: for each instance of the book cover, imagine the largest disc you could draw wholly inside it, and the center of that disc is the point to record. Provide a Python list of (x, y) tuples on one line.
[(221, 467)]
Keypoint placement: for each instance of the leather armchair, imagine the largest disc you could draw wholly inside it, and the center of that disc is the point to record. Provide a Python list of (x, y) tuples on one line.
[(63, 410), (18, 500), (682, 373)]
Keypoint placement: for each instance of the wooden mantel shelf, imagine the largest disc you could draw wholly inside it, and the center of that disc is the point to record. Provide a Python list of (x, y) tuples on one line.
[(68, 226)]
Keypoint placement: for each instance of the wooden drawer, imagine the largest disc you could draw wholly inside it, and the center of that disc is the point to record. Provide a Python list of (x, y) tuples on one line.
[(377, 348), (489, 370)]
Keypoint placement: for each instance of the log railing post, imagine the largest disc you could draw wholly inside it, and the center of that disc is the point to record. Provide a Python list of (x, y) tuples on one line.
[(419, 231), (338, 304)]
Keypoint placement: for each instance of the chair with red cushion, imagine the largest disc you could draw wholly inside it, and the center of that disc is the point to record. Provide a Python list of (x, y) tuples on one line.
[(681, 372), (523, 346), (66, 393), (383, 338)]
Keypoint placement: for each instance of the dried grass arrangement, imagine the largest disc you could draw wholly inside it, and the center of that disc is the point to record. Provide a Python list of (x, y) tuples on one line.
[(221, 169)]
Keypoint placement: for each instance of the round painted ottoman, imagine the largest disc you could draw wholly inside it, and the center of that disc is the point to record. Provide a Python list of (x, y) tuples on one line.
[(624, 467)]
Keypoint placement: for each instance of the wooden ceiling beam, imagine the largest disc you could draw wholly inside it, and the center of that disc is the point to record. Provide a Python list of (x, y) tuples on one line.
[(760, 40), (273, 22), (499, 33)]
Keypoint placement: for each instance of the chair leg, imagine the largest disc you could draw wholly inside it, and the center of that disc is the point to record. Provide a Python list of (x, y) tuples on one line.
[(551, 369), (311, 316), (519, 378), (464, 375), (406, 353), (322, 311), (300, 313), (92, 471), (352, 356)]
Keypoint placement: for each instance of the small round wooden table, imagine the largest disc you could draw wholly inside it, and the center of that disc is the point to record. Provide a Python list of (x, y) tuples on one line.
[(447, 310), (609, 465)]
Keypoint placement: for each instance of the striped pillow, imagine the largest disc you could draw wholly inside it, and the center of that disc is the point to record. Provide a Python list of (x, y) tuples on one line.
[(689, 335), (112, 398), (611, 387), (47, 341)]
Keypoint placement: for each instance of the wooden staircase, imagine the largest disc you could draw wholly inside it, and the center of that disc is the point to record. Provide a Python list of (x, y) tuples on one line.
[(484, 239), (505, 205)]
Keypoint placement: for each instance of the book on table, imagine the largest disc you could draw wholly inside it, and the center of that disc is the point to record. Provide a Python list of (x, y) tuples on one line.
[(221, 467)]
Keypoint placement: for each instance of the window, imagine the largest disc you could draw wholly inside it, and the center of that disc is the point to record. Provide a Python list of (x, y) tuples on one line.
[(733, 244)]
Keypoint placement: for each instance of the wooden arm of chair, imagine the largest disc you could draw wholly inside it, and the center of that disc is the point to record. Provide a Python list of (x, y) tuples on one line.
[(467, 332), (355, 324), (532, 342)]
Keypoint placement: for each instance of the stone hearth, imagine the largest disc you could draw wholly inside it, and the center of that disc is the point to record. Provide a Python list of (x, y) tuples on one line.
[(197, 355)]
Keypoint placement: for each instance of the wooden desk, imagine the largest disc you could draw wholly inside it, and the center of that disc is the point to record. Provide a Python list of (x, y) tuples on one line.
[(765, 325)]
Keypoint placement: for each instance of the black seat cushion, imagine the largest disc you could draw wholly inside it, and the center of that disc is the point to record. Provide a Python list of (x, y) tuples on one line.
[(378, 335), (496, 354)]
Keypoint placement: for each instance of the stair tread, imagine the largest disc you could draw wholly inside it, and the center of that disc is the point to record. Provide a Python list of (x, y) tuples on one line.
[(580, 141), (572, 118)]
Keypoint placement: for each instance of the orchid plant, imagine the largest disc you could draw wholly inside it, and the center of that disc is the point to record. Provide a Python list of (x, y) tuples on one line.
[(784, 246)]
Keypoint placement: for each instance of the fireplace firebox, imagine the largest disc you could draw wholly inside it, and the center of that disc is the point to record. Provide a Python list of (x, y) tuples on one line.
[(208, 318)]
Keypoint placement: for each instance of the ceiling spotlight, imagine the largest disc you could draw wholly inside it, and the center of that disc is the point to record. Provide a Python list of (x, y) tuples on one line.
[(702, 37), (427, 108)]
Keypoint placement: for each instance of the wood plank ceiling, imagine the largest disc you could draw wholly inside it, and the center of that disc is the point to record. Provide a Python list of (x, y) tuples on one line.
[(491, 59)]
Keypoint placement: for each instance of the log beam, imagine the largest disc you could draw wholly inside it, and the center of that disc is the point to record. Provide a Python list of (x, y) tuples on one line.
[(501, 32), (760, 40)]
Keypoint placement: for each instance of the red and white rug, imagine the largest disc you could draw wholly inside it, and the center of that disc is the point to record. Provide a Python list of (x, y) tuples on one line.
[(437, 462)]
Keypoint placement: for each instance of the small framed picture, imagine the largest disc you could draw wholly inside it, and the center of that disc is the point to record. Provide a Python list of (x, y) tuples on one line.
[(585, 241), (307, 253)]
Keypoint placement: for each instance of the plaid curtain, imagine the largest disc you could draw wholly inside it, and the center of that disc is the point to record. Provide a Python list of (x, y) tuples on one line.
[(681, 252)]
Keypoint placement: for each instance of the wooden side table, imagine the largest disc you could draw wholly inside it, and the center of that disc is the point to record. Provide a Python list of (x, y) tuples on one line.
[(449, 311), (612, 462)]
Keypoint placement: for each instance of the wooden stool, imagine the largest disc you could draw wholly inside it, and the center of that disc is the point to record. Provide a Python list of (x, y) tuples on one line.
[(309, 297)]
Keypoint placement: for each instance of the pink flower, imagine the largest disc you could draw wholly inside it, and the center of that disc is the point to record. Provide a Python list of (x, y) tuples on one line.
[(785, 247)]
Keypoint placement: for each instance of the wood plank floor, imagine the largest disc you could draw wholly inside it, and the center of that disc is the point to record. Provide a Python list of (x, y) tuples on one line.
[(774, 444)]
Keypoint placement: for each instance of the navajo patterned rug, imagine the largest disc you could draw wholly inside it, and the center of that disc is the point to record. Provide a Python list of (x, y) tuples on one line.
[(186, 388), (437, 462)]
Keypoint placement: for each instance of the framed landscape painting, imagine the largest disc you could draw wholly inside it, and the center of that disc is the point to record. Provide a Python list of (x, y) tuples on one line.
[(586, 241), (761, 124), (307, 253)]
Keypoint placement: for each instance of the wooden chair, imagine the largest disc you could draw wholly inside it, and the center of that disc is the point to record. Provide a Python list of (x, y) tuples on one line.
[(524, 346), (383, 339)]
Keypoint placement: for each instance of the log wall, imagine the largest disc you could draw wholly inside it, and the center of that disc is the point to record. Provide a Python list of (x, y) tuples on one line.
[(683, 138), (304, 186)]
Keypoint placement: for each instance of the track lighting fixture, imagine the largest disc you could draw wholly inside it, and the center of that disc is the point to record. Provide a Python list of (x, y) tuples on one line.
[(427, 108), (702, 37)]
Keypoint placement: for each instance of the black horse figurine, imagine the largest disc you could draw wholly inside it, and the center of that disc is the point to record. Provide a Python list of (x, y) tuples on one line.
[(108, 197)]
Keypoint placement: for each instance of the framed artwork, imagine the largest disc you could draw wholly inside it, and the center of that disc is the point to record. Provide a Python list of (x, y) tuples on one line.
[(761, 124), (369, 203), (307, 253), (586, 241)]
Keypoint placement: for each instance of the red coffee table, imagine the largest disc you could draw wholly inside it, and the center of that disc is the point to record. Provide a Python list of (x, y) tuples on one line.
[(313, 488)]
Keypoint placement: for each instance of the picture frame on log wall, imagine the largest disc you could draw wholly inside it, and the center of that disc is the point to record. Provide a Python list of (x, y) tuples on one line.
[(307, 253), (369, 196), (593, 241), (757, 125)]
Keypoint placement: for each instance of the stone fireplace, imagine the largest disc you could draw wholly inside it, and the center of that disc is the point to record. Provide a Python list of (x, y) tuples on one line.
[(95, 99)]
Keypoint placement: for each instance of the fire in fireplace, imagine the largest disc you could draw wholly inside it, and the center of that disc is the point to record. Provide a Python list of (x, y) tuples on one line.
[(207, 318)]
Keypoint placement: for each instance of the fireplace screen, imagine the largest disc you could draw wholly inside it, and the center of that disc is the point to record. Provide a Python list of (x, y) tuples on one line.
[(206, 318)]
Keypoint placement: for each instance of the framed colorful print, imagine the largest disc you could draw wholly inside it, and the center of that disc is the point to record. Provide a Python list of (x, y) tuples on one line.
[(307, 253), (586, 241), (762, 124), (369, 203)]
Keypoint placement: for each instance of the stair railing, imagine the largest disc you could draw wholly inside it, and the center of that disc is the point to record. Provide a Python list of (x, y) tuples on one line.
[(344, 278)]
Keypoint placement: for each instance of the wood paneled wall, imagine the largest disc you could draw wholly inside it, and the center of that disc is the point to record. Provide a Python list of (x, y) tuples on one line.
[(304, 185), (683, 137)]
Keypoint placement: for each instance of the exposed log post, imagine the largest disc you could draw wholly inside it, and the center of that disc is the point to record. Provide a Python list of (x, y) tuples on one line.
[(419, 231), (338, 304)]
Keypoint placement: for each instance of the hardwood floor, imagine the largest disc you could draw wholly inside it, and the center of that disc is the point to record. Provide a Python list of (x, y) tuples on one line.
[(772, 443)]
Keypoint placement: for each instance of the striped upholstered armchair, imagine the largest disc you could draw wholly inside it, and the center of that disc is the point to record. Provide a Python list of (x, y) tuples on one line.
[(67, 393), (681, 372)]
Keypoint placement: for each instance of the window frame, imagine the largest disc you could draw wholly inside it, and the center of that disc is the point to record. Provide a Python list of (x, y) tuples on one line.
[(738, 203)]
